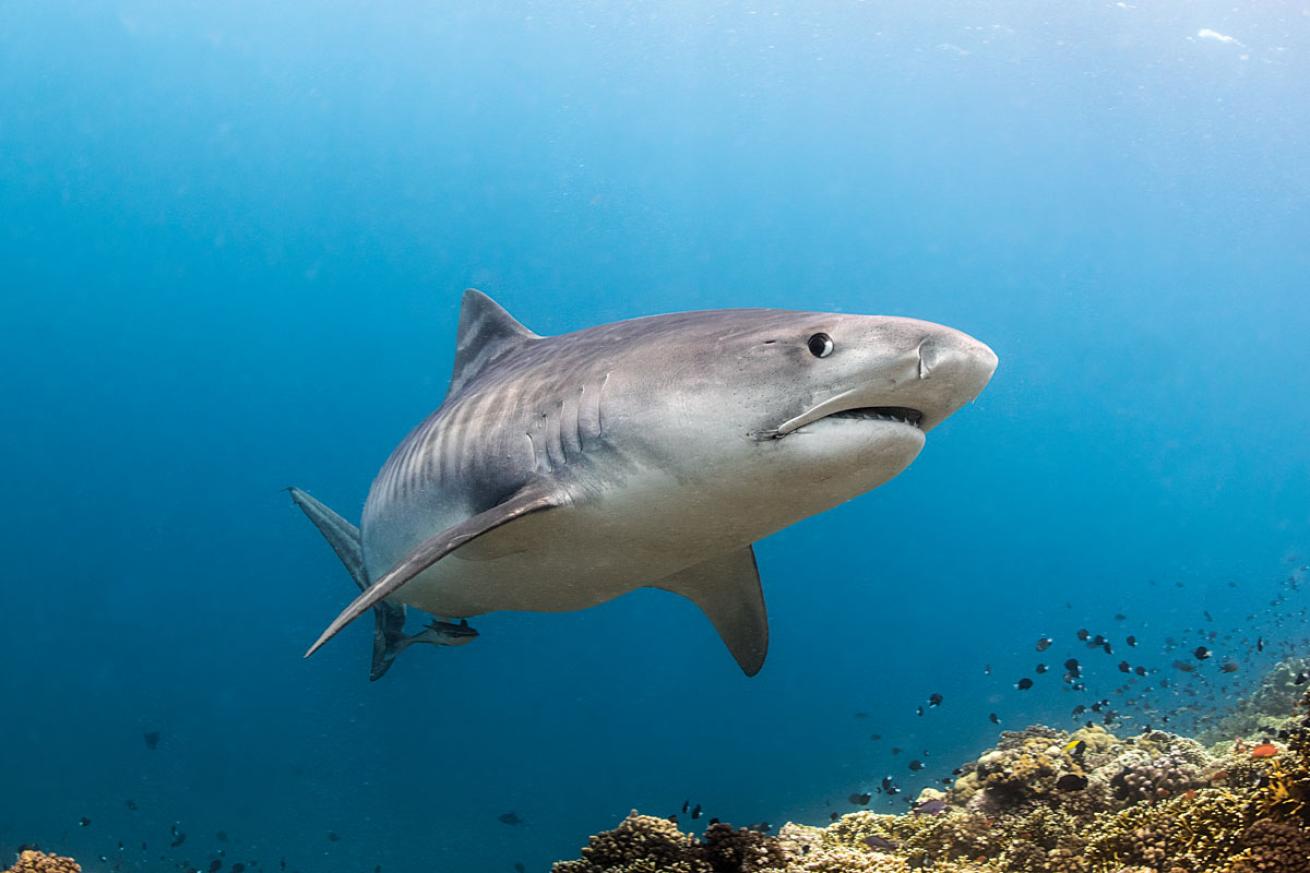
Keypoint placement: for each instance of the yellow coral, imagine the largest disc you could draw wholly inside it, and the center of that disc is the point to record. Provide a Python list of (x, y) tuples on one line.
[(30, 861)]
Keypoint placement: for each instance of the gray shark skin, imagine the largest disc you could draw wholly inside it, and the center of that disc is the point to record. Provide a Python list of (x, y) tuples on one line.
[(561, 472)]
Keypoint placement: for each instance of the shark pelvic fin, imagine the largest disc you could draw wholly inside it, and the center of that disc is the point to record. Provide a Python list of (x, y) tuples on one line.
[(486, 334), (343, 537), (532, 498), (727, 589)]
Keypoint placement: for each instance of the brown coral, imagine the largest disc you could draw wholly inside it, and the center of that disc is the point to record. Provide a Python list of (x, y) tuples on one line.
[(1273, 847), (1151, 803), (31, 861)]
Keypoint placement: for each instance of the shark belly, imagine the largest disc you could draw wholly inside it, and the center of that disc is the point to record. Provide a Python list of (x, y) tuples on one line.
[(578, 556)]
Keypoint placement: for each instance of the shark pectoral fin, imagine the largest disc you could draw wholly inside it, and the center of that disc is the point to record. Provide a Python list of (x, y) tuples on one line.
[(727, 589), (532, 498), (341, 535)]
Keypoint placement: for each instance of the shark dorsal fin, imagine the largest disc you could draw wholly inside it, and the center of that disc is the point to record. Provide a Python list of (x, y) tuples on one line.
[(486, 333)]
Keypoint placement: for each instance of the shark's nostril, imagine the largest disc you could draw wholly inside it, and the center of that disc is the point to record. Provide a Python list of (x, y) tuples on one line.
[(929, 354)]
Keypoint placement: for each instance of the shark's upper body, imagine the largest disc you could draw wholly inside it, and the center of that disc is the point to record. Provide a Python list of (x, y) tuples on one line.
[(563, 471)]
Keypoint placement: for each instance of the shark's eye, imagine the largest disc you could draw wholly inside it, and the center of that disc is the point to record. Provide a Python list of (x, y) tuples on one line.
[(820, 345)]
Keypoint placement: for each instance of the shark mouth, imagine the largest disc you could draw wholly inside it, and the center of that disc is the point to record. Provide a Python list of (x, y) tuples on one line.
[(902, 414), (840, 407)]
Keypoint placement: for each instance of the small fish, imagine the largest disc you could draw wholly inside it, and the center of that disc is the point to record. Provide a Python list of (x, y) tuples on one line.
[(152, 739), (860, 799), (1208, 616), (1139, 670), (1125, 667), (238, 867), (1072, 666), (1264, 750), (84, 822), (1024, 684), (1119, 616), (178, 839), (1201, 653), (130, 804), (1300, 678), (1131, 640), (934, 699), (1071, 782), (1075, 748), (1107, 648), (509, 818), (1259, 644), (994, 718), (880, 844), (832, 816), (333, 837), (987, 669), (1228, 667), (695, 812), (1079, 709), (916, 765), (685, 805), (1184, 666), (1042, 668), (1044, 643), (215, 865), (936, 806)]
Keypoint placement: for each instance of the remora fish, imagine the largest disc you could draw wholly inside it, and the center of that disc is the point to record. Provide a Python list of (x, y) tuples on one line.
[(560, 472)]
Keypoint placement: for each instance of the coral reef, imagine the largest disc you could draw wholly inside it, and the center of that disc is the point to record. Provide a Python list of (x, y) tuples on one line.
[(1046, 801), (32, 861)]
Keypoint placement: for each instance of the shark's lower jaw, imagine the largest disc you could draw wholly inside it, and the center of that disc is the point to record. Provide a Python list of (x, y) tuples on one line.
[(901, 414)]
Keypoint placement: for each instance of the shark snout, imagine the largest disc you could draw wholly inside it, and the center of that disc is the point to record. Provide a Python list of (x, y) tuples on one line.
[(953, 370)]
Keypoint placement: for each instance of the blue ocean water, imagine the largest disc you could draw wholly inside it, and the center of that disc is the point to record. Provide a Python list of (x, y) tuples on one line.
[(234, 241)]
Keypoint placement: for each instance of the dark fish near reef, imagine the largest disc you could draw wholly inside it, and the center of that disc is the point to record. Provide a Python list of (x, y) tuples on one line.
[(934, 699), (860, 799), (1131, 640), (916, 766), (1044, 643), (1024, 684), (695, 811), (84, 822), (881, 844), (215, 865), (935, 806), (509, 818), (994, 718), (1071, 782), (570, 470), (1201, 653)]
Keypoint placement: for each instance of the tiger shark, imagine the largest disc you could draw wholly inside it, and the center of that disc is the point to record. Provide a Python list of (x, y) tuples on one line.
[(562, 471)]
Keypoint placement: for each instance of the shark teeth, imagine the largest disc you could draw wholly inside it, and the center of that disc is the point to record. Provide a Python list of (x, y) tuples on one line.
[(899, 414)]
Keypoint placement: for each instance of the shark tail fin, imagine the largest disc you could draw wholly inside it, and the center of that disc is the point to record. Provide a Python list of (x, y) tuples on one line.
[(343, 537)]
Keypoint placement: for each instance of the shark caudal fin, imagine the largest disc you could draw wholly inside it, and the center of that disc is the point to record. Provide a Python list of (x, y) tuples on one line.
[(388, 619)]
